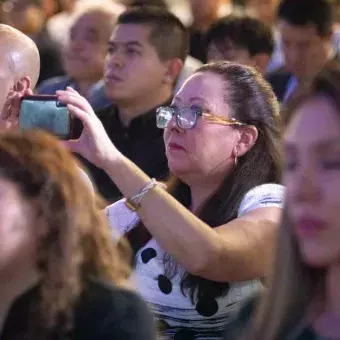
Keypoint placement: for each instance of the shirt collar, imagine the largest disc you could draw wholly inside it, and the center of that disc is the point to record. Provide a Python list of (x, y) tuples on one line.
[(139, 123)]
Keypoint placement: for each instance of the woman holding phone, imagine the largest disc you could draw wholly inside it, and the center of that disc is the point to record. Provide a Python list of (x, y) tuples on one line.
[(201, 246)]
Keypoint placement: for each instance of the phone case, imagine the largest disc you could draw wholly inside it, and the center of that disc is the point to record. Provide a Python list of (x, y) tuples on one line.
[(46, 113)]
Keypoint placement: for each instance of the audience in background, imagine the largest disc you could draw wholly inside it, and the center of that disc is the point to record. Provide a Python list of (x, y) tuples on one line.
[(265, 10), (158, 3), (204, 13), (59, 24), (84, 55), (191, 64), (306, 28), (146, 54), (29, 17), (241, 39)]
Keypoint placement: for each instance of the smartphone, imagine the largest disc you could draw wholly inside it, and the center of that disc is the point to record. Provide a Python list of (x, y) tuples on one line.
[(46, 113)]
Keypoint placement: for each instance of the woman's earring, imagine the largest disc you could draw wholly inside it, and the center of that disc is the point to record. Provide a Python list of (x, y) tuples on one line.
[(235, 161)]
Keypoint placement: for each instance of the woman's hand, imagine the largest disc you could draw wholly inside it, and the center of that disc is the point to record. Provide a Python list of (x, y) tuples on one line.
[(9, 116), (94, 144)]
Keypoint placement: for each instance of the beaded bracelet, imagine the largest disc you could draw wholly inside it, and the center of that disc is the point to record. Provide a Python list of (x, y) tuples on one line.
[(133, 203)]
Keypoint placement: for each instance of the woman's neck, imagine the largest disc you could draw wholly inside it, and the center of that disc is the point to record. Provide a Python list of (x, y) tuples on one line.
[(200, 192)]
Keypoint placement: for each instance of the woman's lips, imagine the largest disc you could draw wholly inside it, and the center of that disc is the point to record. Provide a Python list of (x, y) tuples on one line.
[(309, 227), (175, 147)]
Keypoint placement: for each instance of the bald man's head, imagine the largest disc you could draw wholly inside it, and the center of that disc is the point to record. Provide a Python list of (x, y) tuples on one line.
[(19, 62), (20, 53)]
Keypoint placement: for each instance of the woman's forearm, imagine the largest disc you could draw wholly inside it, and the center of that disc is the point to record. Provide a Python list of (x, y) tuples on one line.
[(191, 242)]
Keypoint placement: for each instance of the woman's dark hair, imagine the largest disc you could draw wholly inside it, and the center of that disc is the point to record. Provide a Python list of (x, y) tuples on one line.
[(250, 99), (78, 243)]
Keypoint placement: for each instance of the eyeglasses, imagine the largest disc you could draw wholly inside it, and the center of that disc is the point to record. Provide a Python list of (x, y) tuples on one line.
[(186, 117)]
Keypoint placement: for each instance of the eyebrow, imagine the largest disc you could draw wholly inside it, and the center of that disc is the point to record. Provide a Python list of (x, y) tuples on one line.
[(191, 99), (128, 43)]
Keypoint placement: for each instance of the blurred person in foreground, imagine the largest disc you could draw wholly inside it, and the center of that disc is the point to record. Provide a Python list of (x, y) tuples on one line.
[(202, 246), (84, 55), (242, 39), (60, 272), (302, 300)]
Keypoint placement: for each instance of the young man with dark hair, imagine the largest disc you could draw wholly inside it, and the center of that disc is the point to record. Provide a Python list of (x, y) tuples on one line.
[(242, 39), (146, 53), (306, 29)]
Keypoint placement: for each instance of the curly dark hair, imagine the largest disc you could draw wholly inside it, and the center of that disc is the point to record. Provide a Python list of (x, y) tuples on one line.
[(78, 243)]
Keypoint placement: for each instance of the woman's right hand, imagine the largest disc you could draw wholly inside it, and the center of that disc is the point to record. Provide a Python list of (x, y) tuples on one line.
[(9, 116), (94, 144)]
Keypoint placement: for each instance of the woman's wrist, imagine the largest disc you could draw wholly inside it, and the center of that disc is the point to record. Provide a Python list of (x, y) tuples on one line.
[(113, 160)]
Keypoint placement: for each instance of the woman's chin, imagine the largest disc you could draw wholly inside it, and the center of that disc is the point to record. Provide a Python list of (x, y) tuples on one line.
[(178, 168)]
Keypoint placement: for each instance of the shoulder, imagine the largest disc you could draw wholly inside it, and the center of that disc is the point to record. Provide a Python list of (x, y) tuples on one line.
[(265, 195), (121, 219), (50, 86), (278, 75), (106, 112), (108, 311)]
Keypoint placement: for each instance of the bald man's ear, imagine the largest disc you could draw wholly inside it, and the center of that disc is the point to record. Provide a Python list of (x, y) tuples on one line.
[(22, 85)]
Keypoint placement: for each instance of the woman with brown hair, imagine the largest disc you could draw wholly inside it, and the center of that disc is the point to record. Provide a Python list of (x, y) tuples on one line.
[(202, 246), (60, 272), (303, 300)]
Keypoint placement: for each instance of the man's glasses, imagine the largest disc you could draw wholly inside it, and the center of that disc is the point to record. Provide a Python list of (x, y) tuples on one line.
[(186, 117)]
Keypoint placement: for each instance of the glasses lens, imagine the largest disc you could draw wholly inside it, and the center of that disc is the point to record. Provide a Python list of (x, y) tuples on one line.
[(186, 118), (164, 115)]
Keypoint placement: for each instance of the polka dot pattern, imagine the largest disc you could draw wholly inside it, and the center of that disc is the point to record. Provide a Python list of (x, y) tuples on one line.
[(207, 307), (148, 254), (164, 284)]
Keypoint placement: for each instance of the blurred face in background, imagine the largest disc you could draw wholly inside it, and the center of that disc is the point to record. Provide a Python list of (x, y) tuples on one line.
[(312, 178), (229, 51), (205, 9), (265, 10), (305, 50), (68, 5), (85, 52), (25, 15)]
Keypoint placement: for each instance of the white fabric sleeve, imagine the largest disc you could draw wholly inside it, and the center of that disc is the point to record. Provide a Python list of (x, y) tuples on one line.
[(265, 195), (121, 219)]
